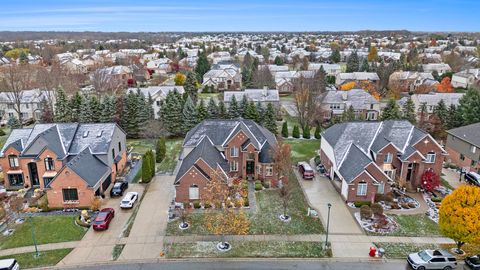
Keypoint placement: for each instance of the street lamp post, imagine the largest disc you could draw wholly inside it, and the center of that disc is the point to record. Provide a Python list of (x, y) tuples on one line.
[(33, 235), (328, 224)]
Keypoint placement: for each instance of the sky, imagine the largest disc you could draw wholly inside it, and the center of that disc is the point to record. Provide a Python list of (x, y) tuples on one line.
[(241, 15)]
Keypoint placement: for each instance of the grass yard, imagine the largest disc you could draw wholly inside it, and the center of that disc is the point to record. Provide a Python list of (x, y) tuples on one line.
[(174, 146), (265, 220), (414, 225), (3, 138), (445, 183), (49, 229), (303, 150), (401, 250), (47, 258), (141, 145), (271, 249)]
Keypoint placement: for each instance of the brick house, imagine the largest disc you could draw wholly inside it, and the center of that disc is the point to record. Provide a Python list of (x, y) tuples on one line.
[(463, 145), (368, 157), (224, 77), (238, 148), (334, 103), (72, 162)]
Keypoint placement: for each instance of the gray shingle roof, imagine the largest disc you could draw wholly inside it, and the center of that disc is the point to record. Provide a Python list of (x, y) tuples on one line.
[(358, 98), (88, 167), (17, 138), (470, 133), (98, 144), (354, 163)]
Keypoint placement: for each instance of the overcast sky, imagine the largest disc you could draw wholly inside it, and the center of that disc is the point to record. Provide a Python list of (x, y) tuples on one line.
[(243, 15)]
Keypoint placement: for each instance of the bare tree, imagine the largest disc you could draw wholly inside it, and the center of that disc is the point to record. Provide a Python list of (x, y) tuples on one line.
[(282, 166), (263, 77), (104, 83)]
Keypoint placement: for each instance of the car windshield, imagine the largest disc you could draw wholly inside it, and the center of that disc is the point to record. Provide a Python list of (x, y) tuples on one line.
[(117, 185), (125, 202), (424, 255)]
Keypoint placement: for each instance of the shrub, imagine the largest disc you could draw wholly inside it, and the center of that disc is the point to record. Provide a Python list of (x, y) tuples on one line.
[(160, 150), (365, 212), (377, 209), (2, 132), (238, 203), (379, 197), (361, 203), (317, 160), (207, 205), (43, 203), (389, 197), (285, 130), (266, 184), (436, 199), (296, 132), (317, 133), (258, 186), (306, 132), (196, 205), (246, 203), (95, 205)]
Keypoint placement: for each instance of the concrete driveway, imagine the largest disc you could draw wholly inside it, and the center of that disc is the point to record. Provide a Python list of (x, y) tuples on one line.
[(146, 237), (97, 246)]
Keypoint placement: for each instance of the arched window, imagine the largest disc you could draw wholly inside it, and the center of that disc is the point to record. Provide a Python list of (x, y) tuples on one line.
[(193, 193), (13, 161)]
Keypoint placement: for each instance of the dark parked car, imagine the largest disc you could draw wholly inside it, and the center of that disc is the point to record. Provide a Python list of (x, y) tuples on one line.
[(102, 221), (305, 170), (118, 189), (473, 262), (473, 178)]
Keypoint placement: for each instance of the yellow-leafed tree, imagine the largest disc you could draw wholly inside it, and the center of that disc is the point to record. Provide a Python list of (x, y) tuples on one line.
[(347, 86), (372, 54), (179, 79), (459, 216)]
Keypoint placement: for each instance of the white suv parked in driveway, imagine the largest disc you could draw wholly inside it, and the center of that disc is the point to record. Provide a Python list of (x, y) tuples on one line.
[(129, 199), (432, 259)]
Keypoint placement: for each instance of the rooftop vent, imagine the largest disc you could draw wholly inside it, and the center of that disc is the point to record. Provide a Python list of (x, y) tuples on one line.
[(100, 133), (85, 134)]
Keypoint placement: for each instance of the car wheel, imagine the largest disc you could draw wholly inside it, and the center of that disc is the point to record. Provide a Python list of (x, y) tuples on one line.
[(421, 268), (447, 268)]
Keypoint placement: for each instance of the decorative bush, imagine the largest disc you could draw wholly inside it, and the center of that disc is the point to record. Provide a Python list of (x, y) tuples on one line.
[(317, 160), (317, 133), (266, 184), (377, 209), (389, 197), (365, 212), (258, 186), (360, 204), (296, 132), (196, 205), (95, 205), (246, 203), (238, 203), (436, 199), (306, 132), (285, 130), (207, 205)]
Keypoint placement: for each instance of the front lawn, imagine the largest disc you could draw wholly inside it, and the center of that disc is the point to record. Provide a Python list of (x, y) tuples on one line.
[(414, 225), (265, 220), (303, 150), (141, 145), (47, 258), (270, 249), (401, 250), (174, 146), (48, 229)]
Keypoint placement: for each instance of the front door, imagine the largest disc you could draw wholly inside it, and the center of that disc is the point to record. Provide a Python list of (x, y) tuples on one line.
[(410, 171), (250, 167), (32, 167)]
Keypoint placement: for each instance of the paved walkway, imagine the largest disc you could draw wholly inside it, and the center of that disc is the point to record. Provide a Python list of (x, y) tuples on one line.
[(146, 237), (452, 177), (27, 249)]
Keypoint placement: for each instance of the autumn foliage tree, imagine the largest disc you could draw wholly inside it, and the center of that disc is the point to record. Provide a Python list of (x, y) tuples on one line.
[(459, 216), (445, 86), (430, 180)]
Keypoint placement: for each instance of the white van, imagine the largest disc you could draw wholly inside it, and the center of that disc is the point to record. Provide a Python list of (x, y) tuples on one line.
[(9, 264)]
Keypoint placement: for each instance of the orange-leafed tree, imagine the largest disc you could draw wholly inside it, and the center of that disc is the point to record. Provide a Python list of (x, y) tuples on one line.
[(459, 216), (282, 166), (224, 219), (348, 86), (179, 78), (445, 86), (372, 54)]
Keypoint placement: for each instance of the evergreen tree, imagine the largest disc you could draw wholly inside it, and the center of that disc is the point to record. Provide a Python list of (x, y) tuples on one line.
[(469, 107), (441, 111), (190, 116), (317, 133), (151, 112), (86, 113), (190, 86), (251, 112), (47, 112), (306, 132), (353, 63), (278, 61), (143, 107), (62, 107), (243, 106), (75, 107), (171, 113), (391, 111), (285, 129), (13, 122), (222, 110), (95, 109), (296, 132), (203, 66), (160, 150), (108, 109), (349, 114), (423, 115), (212, 109), (270, 119), (146, 169), (131, 115), (335, 56), (261, 113), (152, 162), (409, 111), (233, 109), (202, 112), (365, 67)]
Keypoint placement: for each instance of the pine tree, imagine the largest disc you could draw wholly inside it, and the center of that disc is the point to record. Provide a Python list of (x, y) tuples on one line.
[(202, 112), (190, 86), (143, 107), (270, 119), (285, 129), (261, 113), (243, 106), (365, 67), (95, 109), (62, 107), (335, 56), (353, 63), (222, 110), (86, 113), (423, 115), (349, 114), (160, 150), (306, 132), (251, 112), (296, 132), (409, 111), (278, 61), (151, 112), (171, 113), (212, 109), (454, 118), (233, 108), (108, 109), (317, 133), (13, 122), (203, 66), (47, 112), (190, 116), (131, 115), (469, 107), (146, 169), (391, 111), (441, 111), (75, 107)]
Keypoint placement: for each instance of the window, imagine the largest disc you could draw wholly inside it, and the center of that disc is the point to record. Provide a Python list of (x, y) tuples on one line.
[(473, 163), (462, 157), (158, 102), (70, 194), (193, 193), (13, 161), (10, 106), (26, 105), (251, 156), (437, 260), (362, 189), (10, 115), (335, 106), (388, 158), (47, 180), (119, 146), (15, 179), (381, 188), (473, 148), (269, 171), (371, 106), (234, 152), (390, 173), (113, 153), (430, 157), (49, 164), (233, 166)]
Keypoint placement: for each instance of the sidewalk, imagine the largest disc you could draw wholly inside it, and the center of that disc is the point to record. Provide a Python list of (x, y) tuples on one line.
[(452, 177), (45, 247)]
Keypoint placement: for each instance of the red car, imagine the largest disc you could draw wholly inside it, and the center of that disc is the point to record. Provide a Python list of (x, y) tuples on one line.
[(103, 219)]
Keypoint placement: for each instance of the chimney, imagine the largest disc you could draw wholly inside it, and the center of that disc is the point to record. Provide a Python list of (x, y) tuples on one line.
[(265, 90), (344, 95)]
